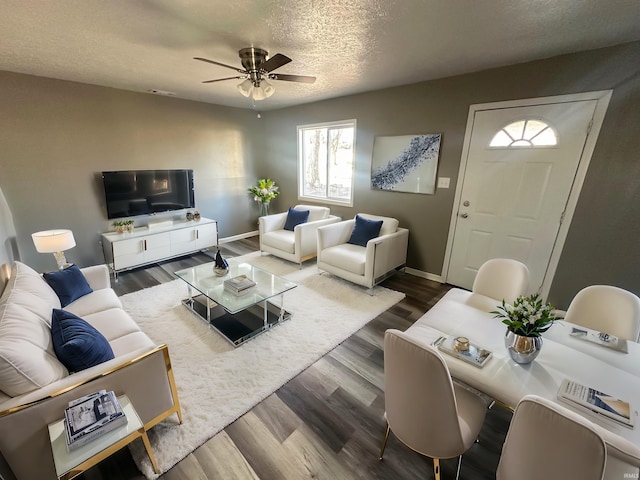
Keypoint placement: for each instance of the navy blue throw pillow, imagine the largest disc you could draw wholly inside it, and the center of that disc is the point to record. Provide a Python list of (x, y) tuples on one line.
[(364, 230), (77, 344), (69, 284), (295, 217)]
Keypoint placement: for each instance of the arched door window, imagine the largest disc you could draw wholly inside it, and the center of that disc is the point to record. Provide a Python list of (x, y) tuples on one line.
[(525, 134)]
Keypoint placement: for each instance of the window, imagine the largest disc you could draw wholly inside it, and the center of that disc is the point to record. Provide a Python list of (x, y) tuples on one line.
[(326, 159), (525, 133)]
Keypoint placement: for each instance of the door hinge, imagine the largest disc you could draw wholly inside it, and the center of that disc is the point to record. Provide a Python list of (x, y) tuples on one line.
[(562, 217)]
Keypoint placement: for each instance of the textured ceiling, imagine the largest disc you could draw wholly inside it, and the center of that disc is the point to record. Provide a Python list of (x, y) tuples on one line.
[(351, 46)]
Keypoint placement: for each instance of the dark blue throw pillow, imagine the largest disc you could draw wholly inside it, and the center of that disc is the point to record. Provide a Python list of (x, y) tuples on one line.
[(69, 284), (77, 344), (364, 230), (295, 217)]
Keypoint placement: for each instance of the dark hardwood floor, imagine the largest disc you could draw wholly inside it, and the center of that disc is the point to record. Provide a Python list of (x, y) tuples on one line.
[(326, 423)]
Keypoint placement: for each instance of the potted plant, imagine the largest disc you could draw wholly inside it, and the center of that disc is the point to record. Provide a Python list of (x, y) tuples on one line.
[(526, 319), (263, 192), (123, 226)]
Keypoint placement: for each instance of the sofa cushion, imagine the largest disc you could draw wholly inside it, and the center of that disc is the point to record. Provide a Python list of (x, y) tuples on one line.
[(364, 230), (26, 279), (69, 284), (346, 256), (96, 301), (389, 224), (283, 240), (27, 357), (77, 344), (295, 217)]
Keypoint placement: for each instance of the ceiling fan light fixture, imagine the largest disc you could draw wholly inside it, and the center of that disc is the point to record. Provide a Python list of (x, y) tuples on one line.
[(246, 87), (268, 88), (257, 67), (263, 90)]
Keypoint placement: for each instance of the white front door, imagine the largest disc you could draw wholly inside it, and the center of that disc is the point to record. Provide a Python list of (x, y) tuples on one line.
[(514, 193)]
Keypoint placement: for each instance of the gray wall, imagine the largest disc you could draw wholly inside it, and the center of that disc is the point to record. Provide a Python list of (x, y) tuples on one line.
[(57, 137), (602, 243)]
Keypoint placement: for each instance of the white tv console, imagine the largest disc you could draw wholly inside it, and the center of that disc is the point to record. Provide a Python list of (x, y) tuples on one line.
[(124, 251)]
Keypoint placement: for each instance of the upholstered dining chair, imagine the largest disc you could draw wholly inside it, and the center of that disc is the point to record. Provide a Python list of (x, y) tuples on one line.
[(502, 279), (606, 308), (425, 410), (546, 440), (364, 250), (286, 236)]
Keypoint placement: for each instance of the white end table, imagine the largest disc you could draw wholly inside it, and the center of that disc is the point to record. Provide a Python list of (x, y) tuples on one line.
[(70, 464)]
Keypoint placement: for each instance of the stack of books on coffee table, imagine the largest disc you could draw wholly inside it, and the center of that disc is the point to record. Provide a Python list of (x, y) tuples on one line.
[(239, 285), (92, 416)]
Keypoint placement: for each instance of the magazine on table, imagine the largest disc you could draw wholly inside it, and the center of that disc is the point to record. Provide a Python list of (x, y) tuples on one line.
[(612, 407), (239, 283), (91, 416), (239, 293)]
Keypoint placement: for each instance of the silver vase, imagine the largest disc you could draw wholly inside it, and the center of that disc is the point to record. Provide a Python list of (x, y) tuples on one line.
[(522, 349)]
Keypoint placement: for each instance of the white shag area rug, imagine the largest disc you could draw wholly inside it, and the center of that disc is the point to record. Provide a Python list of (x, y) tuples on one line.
[(218, 383)]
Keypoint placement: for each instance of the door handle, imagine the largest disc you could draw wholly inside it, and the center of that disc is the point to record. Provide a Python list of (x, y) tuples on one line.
[(464, 215)]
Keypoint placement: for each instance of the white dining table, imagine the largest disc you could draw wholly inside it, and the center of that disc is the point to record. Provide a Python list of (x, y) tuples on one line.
[(463, 313)]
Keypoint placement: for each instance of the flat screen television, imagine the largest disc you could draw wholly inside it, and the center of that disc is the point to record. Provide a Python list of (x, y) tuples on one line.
[(144, 192)]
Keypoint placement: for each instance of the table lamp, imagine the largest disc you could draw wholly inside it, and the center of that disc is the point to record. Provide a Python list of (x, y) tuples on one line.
[(56, 242)]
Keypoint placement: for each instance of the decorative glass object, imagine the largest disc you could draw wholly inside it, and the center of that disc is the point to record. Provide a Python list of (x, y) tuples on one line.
[(264, 209)]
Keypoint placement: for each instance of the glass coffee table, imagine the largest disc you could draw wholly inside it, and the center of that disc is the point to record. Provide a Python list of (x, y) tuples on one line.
[(238, 318)]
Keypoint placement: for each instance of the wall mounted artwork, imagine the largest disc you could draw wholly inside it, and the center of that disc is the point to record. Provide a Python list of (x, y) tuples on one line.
[(405, 163)]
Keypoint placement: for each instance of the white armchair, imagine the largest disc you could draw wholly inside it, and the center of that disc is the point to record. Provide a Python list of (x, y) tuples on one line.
[(366, 266), (297, 245)]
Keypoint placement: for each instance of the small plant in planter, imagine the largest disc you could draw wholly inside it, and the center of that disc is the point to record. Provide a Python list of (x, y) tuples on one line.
[(123, 226)]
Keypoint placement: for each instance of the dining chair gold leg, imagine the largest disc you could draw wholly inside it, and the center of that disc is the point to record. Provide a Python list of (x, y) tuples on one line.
[(384, 441), (436, 468)]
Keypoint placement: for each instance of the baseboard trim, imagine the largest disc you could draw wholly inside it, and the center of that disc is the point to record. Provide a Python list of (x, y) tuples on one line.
[(427, 275), (238, 237)]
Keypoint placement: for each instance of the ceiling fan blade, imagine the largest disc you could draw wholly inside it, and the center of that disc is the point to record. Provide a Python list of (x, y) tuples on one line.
[(219, 64), (221, 79), (292, 78), (274, 62)]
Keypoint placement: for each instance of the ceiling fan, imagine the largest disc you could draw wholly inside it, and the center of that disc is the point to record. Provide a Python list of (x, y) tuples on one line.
[(257, 68)]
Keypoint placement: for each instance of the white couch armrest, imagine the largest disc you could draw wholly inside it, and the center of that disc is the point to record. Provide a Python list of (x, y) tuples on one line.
[(269, 223), (306, 235), (334, 234), (386, 253), (97, 276)]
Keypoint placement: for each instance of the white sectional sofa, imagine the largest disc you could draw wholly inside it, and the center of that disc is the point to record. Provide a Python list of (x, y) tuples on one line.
[(35, 386)]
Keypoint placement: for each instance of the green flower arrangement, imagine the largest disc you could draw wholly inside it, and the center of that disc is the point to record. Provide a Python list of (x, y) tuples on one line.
[(123, 225), (264, 191), (528, 316)]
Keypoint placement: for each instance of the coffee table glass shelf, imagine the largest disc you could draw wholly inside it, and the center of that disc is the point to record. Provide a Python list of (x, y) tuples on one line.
[(238, 318), (70, 464)]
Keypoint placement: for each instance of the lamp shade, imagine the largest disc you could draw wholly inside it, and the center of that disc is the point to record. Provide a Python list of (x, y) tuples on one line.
[(52, 241)]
